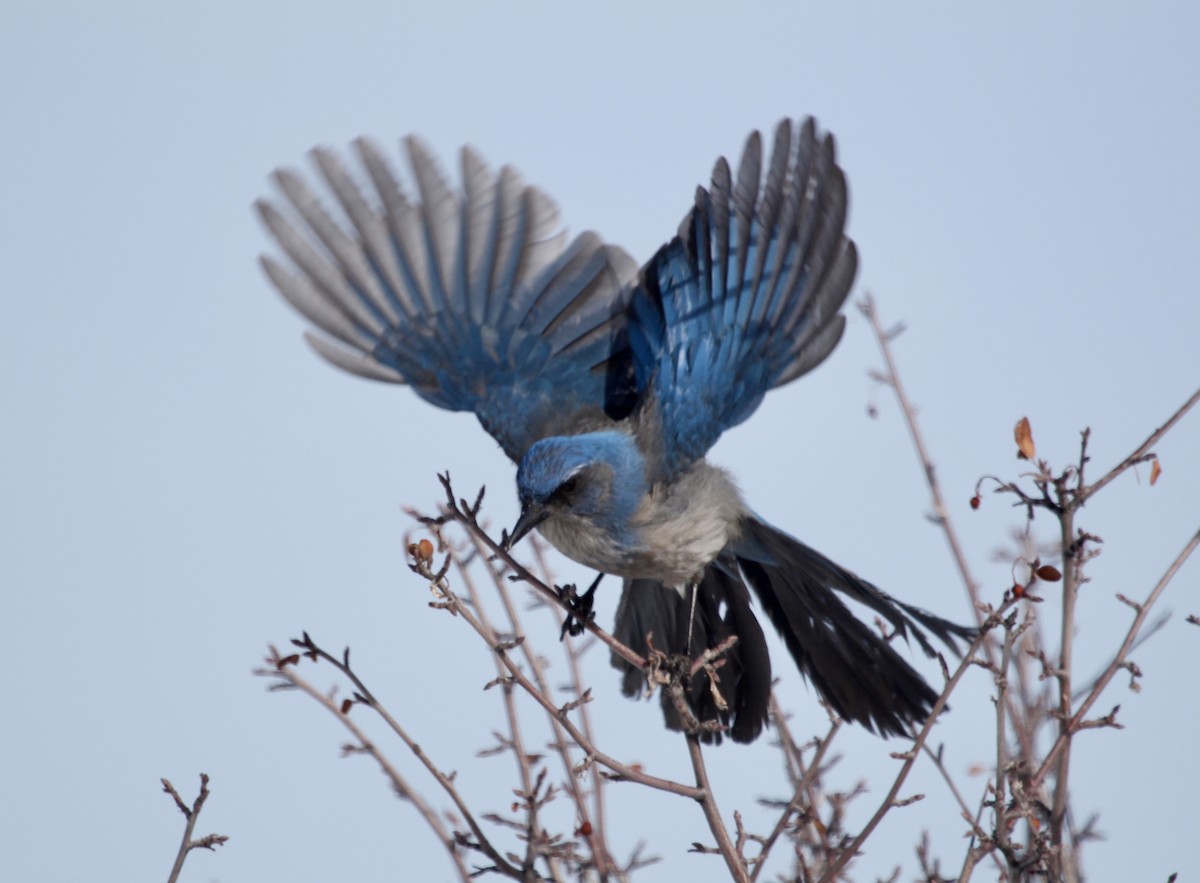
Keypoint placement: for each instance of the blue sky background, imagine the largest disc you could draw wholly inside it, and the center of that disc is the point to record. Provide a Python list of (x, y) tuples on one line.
[(182, 481)]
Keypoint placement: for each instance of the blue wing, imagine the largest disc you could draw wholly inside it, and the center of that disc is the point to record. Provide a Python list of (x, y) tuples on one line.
[(746, 298), (475, 299)]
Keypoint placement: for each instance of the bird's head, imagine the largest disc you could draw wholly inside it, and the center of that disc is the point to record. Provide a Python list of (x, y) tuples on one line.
[(596, 479)]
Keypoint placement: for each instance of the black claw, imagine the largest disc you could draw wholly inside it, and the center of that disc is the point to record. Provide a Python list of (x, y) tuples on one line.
[(579, 608)]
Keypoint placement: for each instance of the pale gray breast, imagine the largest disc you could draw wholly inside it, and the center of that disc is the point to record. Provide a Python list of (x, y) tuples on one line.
[(685, 525), (675, 532), (588, 543)]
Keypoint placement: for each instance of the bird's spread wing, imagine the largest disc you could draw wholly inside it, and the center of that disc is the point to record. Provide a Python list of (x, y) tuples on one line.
[(476, 298), (747, 297)]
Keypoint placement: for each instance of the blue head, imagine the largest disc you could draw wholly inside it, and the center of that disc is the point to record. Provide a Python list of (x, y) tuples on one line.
[(596, 481)]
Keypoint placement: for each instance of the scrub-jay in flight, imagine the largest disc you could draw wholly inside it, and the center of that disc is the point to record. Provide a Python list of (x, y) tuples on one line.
[(607, 384)]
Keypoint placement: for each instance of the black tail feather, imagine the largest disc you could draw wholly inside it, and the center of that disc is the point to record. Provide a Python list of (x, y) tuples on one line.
[(856, 671), (853, 667), (722, 609)]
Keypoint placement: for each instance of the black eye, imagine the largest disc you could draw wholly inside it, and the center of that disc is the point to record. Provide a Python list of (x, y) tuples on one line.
[(566, 490)]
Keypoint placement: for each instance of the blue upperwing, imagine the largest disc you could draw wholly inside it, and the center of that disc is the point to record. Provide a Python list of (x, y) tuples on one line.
[(746, 298), (477, 300), (474, 299)]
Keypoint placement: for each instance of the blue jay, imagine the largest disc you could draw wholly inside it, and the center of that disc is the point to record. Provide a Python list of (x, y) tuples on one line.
[(607, 384)]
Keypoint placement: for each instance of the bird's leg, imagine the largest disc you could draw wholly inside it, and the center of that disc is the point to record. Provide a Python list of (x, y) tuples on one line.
[(694, 589), (579, 607)]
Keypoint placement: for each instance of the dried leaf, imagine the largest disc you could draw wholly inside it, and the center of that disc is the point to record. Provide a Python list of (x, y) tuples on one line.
[(1024, 437), (1155, 471)]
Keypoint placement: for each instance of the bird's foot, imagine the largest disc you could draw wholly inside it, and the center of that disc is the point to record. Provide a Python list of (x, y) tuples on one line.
[(579, 607)]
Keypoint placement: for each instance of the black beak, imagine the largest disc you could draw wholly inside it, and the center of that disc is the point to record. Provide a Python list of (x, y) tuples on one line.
[(531, 516)]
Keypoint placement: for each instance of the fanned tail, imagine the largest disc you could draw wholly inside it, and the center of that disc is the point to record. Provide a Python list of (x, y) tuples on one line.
[(859, 673)]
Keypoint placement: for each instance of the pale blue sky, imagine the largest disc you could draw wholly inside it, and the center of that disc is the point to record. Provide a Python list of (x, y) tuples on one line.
[(183, 481)]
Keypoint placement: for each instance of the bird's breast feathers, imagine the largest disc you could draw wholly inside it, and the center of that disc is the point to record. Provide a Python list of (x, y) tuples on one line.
[(676, 531)]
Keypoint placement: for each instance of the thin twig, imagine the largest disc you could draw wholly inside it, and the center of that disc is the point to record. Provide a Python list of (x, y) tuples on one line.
[(1117, 663), (910, 757), (209, 841), (1070, 592), (284, 669), (1138, 455), (708, 802), (867, 306), (1000, 810), (467, 516), (591, 826), (533, 832), (976, 831), (624, 771), (944, 521), (598, 838), (803, 779)]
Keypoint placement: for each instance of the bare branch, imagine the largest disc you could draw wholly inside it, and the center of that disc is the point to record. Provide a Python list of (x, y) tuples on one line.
[(590, 827), (209, 841), (890, 800), (624, 771), (708, 802), (892, 379), (284, 669), (1142, 453), (1118, 659), (468, 519)]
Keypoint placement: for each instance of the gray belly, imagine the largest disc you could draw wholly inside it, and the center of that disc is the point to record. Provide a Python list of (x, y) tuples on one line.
[(675, 533)]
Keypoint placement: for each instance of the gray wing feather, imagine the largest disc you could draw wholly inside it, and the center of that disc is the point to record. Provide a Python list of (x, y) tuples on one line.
[(382, 269), (353, 362), (474, 297), (482, 192), (745, 200), (324, 312), (325, 279), (439, 209), (369, 307), (404, 223)]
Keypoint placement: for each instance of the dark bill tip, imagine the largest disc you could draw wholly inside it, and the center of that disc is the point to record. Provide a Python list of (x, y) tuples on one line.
[(531, 517)]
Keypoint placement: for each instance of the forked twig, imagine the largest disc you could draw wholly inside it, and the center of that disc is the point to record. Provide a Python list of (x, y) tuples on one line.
[(209, 841)]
